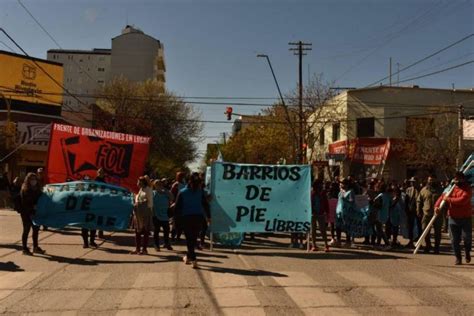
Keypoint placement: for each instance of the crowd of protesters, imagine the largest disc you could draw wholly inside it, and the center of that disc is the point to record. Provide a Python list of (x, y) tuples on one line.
[(182, 206), (389, 202)]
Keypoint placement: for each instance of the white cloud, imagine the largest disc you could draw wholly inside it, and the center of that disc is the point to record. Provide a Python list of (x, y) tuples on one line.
[(91, 14)]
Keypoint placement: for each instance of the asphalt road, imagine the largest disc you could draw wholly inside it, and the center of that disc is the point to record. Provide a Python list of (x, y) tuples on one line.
[(264, 277)]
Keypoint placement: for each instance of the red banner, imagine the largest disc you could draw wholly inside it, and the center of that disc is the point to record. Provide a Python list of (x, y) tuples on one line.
[(76, 152), (368, 151)]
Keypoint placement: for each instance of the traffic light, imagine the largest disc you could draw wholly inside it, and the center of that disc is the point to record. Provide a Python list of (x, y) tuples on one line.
[(228, 112)]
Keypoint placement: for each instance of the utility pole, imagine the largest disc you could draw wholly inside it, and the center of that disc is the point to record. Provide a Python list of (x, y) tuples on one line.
[(224, 137), (398, 74), (459, 159), (299, 51), (390, 71)]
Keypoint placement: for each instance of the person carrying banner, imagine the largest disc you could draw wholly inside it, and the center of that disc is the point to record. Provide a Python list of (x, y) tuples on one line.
[(30, 194), (425, 210), (190, 208), (410, 210), (381, 205), (320, 209), (178, 185), (162, 199), (143, 216), (100, 178), (345, 204), (460, 216)]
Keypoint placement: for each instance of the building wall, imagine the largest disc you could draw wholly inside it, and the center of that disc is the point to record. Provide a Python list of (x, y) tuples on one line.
[(137, 57), (85, 73)]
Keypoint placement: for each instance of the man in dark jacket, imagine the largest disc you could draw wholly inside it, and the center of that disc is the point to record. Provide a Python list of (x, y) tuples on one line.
[(320, 210), (460, 216), (425, 208), (410, 209)]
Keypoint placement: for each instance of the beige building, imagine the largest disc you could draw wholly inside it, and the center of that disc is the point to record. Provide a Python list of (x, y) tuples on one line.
[(362, 128), (134, 55)]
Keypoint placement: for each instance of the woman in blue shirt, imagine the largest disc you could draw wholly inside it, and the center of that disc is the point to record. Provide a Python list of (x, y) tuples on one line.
[(191, 208), (162, 199)]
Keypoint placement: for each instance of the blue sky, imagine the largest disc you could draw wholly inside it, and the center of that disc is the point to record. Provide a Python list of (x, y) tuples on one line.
[(211, 46)]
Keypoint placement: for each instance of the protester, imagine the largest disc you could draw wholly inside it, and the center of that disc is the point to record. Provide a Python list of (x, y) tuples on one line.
[(371, 193), (397, 206), (410, 210), (346, 202), (460, 216), (178, 185), (4, 190), (381, 205), (143, 216), (425, 209), (100, 177), (162, 199), (320, 209), (30, 194), (191, 206)]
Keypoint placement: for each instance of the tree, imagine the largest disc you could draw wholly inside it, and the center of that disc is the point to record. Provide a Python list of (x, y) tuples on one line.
[(431, 141), (274, 134), (139, 108)]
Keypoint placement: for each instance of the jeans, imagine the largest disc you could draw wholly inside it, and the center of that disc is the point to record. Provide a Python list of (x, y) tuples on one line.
[(320, 221), (27, 225), (437, 230), (85, 236), (192, 225), (461, 227), (166, 231)]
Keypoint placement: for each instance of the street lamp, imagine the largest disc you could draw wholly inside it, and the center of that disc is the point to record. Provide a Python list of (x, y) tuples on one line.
[(282, 102)]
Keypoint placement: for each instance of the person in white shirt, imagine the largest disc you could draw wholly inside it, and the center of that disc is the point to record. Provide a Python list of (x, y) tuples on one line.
[(143, 215)]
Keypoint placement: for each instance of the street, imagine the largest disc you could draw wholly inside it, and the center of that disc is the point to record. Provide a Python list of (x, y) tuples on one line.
[(263, 277)]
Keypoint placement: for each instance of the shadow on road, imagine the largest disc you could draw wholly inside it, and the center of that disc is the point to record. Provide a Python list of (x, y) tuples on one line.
[(240, 271), (10, 266), (343, 254)]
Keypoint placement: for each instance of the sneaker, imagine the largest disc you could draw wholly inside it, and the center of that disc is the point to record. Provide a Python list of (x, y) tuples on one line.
[(194, 264), (168, 247), (458, 262), (468, 257), (144, 252), (27, 252), (185, 260), (135, 252), (93, 244), (38, 250), (334, 243)]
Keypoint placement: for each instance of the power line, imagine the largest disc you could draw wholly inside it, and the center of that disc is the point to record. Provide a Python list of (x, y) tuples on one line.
[(425, 58), (439, 71)]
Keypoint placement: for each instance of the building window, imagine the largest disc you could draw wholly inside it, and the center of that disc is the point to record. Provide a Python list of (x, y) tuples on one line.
[(321, 137), (366, 127), (100, 81), (336, 131), (101, 69)]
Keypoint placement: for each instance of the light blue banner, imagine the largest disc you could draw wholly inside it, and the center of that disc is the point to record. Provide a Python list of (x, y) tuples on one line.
[(260, 198), (85, 204)]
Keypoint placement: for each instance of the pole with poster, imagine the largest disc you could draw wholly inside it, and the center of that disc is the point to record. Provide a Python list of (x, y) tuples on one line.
[(465, 168), (385, 156)]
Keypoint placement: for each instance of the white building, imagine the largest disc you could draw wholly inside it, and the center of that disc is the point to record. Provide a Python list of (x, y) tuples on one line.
[(134, 55)]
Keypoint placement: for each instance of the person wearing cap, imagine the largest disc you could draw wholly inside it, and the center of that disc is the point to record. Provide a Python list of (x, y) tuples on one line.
[(162, 199), (460, 216), (425, 208), (411, 194), (191, 207)]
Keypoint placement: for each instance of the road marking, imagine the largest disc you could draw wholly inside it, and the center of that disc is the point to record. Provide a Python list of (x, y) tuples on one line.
[(220, 280), (467, 275), (75, 280), (145, 312), (236, 297), (238, 311), (330, 311), (294, 279), (313, 297), (16, 280), (419, 310), (148, 299), (465, 295), (393, 297), (362, 278), (155, 280), (429, 279)]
